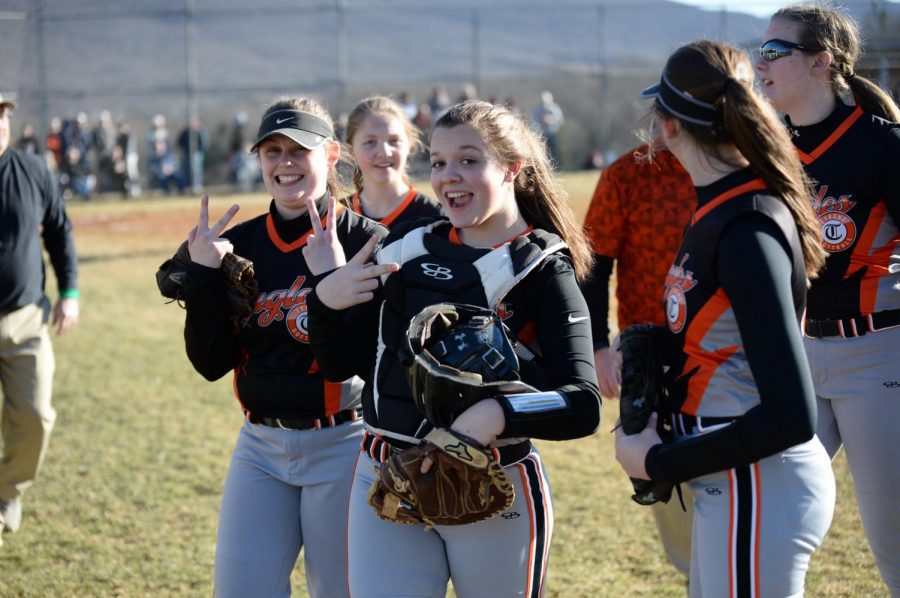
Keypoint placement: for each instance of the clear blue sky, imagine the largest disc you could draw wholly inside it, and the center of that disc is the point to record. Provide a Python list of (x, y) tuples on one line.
[(760, 8)]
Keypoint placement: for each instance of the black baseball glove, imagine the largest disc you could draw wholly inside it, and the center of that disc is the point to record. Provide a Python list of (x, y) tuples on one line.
[(643, 392), (457, 355)]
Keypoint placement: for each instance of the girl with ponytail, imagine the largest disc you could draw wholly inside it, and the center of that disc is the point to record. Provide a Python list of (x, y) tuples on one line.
[(844, 129), (740, 396), (292, 465), (510, 244)]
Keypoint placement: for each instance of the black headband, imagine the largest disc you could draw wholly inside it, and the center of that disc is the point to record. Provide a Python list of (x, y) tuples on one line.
[(307, 129), (681, 104)]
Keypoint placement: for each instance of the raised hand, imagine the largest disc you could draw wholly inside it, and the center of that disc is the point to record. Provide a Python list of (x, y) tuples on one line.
[(354, 282), (323, 251), (205, 245)]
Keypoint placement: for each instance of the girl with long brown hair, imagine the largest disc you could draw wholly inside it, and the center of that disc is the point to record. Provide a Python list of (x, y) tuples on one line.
[(740, 397), (291, 469), (844, 129), (511, 246)]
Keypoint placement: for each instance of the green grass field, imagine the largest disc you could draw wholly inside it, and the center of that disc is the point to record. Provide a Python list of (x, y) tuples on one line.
[(126, 503)]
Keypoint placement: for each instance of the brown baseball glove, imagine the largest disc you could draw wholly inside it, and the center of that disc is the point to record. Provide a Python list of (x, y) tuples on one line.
[(464, 485), (241, 288)]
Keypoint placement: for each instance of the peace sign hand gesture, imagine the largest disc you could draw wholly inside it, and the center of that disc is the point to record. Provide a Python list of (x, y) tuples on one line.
[(354, 282), (205, 245), (323, 251)]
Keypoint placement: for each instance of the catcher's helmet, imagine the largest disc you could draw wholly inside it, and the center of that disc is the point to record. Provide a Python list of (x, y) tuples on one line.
[(458, 355)]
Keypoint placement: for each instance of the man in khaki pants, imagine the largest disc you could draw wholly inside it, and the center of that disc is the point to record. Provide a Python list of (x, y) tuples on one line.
[(31, 211)]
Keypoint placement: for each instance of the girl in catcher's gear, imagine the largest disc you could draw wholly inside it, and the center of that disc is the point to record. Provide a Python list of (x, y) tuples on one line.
[(512, 245), (289, 479), (739, 385), (807, 66)]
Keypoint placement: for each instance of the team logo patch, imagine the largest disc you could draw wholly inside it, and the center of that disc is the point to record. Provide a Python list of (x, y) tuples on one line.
[(676, 308), (297, 323), (436, 271), (678, 282), (838, 231), (460, 450), (287, 305)]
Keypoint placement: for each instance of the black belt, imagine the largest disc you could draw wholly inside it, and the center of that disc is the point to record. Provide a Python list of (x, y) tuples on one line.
[(852, 327), (380, 449), (330, 421)]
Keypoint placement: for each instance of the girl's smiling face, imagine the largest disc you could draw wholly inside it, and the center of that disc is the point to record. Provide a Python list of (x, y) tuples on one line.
[(381, 148), (475, 189), (291, 173)]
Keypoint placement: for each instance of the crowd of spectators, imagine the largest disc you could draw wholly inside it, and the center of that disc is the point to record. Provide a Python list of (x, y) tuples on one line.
[(107, 156)]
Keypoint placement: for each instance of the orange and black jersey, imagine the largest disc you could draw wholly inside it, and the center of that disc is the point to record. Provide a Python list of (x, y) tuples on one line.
[(414, 205), (275, 374), (854, 161), (544, 309), (733, 301), (636, 218)]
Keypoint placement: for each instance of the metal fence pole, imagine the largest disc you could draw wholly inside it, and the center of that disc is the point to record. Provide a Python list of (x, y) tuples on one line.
[(723, 22), (190, 70), (42, 127), (602, 80), (341, 54), (476, 48)]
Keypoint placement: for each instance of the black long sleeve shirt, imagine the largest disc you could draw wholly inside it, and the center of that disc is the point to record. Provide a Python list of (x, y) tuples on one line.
[(546, 308), (275, 374), (31, 211), (759, 271)]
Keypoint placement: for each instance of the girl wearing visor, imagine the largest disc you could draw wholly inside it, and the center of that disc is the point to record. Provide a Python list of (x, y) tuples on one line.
[(289, 480), (511, 245), (381, 139), (740, 396), (845, 131)]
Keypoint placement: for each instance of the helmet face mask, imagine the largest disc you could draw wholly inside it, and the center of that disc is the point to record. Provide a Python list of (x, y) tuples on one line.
[(460, 355)]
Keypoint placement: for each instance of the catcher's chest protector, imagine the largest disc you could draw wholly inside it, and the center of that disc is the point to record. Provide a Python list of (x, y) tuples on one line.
[(435, 270)]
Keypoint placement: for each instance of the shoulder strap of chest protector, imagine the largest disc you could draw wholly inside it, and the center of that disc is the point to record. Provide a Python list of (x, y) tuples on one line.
[(500, 269)]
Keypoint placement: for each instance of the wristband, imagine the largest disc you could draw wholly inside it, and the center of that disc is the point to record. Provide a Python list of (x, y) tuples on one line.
[(68, 294)]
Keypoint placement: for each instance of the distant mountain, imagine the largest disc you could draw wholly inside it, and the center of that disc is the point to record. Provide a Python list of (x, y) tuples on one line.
[(95, 49), (131, 56)]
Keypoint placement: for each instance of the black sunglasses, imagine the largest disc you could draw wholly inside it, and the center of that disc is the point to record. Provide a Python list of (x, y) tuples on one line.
[(778, 48)]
